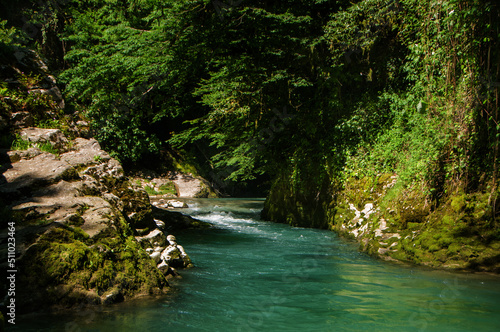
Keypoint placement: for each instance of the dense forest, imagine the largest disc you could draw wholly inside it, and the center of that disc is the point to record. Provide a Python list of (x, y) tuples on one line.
[(330, 105)]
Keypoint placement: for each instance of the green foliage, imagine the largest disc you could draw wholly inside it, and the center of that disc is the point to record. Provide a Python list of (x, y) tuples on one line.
[(164, 189), (134, 82), (6, 38), (21, 144), (316, 91)]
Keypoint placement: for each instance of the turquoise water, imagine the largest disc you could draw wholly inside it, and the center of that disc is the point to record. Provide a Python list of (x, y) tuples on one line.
[(252, 275)]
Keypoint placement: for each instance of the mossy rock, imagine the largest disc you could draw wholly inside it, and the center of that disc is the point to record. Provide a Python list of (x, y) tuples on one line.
[(142, 219), (458, 202), (175, 220), (67, 267)]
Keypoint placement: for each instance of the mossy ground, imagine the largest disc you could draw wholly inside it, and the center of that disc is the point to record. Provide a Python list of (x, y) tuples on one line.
[(64, 266)]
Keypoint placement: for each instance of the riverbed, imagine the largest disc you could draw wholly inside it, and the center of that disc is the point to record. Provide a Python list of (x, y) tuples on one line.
[(252, 275)]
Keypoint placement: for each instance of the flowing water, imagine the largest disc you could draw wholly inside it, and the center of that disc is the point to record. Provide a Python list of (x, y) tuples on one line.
[(252, 275)]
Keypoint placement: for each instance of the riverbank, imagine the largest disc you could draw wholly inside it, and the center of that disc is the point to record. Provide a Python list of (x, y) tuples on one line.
[(400, 224), (82, 229), (76, 231)]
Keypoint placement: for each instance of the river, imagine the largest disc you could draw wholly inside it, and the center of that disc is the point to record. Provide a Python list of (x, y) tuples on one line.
[(252, 275)]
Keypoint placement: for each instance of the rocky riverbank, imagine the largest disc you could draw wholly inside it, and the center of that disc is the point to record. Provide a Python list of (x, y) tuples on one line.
[(83, 230), (399, 224), (85, 234)]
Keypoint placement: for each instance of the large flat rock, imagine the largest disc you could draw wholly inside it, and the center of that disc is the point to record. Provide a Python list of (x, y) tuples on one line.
[(87, 152), (62, 203), (41, 170), (188, 185), (41, 135)]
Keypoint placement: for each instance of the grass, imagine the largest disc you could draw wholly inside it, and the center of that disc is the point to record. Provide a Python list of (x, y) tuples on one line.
[(20, 144), (165, 189)]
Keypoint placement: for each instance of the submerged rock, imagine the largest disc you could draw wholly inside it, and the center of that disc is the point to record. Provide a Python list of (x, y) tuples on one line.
[(176, 220)]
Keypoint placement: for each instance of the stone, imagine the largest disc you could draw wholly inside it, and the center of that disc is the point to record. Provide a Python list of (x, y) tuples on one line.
[(155, 236), (176, 204), (160, 224), (40, 135), (188, 186), (174, 255), (163, 267), (382, 251), (53, 92), (156, 256), (22, 119), (368, 210), (176, 220), (357, 213), (86, 152), (41, 170), (112, 296), (81, 123)]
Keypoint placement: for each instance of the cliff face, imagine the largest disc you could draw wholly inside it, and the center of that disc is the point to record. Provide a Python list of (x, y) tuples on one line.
[(399, 224)]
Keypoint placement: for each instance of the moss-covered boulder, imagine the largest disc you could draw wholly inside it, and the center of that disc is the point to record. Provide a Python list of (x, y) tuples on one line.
[(83, 231), (404, 224), (66, 267)]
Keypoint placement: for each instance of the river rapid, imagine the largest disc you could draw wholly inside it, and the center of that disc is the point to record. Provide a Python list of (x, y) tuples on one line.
[(252, 275)]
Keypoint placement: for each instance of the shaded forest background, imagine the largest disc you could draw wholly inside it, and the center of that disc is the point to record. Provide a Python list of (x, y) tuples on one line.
[(293, 96)]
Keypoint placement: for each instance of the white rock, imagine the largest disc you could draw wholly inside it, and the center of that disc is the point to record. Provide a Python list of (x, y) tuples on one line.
[(176, 204)]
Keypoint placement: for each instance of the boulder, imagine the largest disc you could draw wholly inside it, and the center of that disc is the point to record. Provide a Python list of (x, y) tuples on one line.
[(176, 220), (53, 92), (22, 120), (76, 216), (112, 296), (176, 204), (86, 152), (163, 267), (40, 135), (189, 186), (42, 170), (154, 237), (160, 224), (156, 256)]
